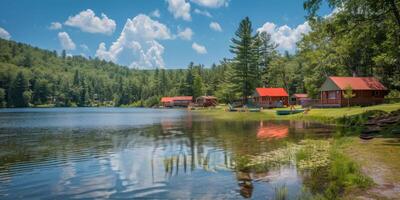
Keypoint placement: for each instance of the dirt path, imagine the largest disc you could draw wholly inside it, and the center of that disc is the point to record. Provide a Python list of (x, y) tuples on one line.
[(380, 160)]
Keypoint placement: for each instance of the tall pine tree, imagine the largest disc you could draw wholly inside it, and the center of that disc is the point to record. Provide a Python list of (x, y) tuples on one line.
[(245, 66)]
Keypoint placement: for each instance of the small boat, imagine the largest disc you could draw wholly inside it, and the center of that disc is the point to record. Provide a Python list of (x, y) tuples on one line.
[(254, 109), (231, 108), (288, 112)]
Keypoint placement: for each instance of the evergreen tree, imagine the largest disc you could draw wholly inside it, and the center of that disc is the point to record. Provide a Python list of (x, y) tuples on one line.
[(63, 54), (267, 52), (18, 88), (198, 87), (245, 66)]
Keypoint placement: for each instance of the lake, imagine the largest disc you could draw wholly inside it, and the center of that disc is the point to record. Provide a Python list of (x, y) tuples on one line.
[(58, 153)]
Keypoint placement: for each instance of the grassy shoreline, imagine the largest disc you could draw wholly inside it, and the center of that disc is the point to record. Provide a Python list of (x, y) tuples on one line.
[(325, 115)]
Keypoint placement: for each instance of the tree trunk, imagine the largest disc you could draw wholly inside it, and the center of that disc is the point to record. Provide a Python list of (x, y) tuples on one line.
[(395, 11)]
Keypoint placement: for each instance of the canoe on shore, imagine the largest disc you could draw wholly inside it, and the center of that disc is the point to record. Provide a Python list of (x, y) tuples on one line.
[(288, 112)]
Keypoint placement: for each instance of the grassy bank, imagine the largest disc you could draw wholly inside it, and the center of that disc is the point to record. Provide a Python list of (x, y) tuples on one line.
[(326, 115)]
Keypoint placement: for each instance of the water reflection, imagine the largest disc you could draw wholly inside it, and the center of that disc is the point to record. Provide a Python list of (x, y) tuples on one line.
[(182, 156)]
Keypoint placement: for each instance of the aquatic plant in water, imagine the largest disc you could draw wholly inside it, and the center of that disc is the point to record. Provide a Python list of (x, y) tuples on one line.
[(313, 154), (308, 154)]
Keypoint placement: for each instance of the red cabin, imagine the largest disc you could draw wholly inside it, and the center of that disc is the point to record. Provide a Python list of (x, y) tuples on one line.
[(367, 91), (271, 97), (166, 101), (178, 101), (299, 98)]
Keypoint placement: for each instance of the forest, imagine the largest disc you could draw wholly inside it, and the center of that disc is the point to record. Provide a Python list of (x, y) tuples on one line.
[(360, 38)]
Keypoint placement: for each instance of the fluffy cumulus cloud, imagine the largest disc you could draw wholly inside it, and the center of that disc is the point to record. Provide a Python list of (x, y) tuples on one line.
[(65, 41), (185, 34), (211, 3), (4, 34), (200, 49), (215, 26), (284, 35), (180, 9), (87, 21), (155, 13), (137, 45), (55, 26), (202, 12)]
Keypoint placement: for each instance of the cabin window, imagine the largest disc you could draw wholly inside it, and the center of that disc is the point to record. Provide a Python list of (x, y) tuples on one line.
[(375, 93), (332, 95)]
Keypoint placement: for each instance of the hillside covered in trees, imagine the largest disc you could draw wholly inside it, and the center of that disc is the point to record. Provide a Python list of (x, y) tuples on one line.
[(359, 38)]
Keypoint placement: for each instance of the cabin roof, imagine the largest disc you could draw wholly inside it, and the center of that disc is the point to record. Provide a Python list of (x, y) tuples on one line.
[(166, 99), (182, 98), (356, 83), (177, 98), (271, 92), (300, 95)]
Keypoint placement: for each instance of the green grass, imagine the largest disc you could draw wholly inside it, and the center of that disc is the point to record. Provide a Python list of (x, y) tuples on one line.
[(325, 115)]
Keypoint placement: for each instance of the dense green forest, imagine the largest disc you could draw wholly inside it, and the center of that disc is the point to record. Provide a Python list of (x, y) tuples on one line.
[(362, 37)]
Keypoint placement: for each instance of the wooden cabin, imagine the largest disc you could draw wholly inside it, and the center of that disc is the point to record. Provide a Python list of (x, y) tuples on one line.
[(178, 101), (271, 97), (298, 98), (166, 101), (206, 101), (367, 91)]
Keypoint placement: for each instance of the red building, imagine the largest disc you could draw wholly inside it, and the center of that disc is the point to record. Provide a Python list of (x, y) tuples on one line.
[(298, 98), (178, 101), (366, 90), (166, 101), (271, 97)]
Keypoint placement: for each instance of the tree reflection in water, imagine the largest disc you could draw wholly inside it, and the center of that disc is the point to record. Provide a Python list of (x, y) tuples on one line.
[(188, 158)]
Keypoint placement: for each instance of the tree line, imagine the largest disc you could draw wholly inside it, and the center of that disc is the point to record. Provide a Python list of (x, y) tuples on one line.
[(360, 38)]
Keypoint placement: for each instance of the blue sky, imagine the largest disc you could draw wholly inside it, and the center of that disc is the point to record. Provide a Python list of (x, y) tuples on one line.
[(149, 33)]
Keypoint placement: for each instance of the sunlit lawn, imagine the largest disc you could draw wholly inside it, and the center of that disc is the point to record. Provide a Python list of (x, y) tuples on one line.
[(316, 114)]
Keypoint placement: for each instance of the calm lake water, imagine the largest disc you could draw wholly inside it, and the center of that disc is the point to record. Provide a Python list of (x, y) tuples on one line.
[(60, 153)]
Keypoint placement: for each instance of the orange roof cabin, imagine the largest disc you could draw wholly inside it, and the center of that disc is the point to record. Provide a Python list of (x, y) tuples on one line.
[(367, 91), (271, 97), (206, 101), (166, 101), (299, 98), (178, 101), (182, 101)]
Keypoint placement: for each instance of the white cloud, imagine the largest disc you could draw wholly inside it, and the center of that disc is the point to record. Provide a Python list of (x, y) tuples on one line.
[(211, 3), (180, 9), (185, 34), (137, 44), (4, 34), (55, 26), (215, 26), (65, 41), (87, 21), (200, 49), (202, 12), (84, 47), (285, 36), (155, 13)]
